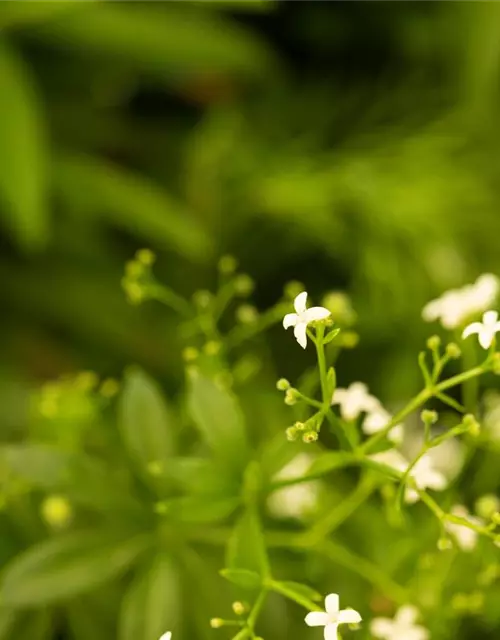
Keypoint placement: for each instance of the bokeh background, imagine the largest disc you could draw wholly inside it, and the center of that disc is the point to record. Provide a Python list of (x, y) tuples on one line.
[(350, 146)]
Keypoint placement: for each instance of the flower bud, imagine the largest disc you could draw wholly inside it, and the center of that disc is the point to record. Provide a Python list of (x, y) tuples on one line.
[(472, 424), (291, 396), (109, 388), (433, 343), (189, 354), (293, 288), (487, 505), (340, 307), (310, 436), (212, 348), (453, 351), (291, 434), (56, 511), (145, 257), (349, 339), (239, 608), (444, 543), (282, 384), (216, 623), (429, 417), (202, 298), (246, 314), (300, 426), (243, 284), (227, 265)]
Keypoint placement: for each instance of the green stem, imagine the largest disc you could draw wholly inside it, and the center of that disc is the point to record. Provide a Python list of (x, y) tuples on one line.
[(320, 350), (254, 613)]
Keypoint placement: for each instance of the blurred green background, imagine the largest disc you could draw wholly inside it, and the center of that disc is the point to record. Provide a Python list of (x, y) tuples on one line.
[(350, 146)]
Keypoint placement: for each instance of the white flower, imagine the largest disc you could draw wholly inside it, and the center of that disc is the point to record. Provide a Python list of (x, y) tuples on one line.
[(425, 476), (166, 636), (454, 307), (354, 400), (485, 330), (448, 457), (377, 420), (466, 538), (403, 626), (303, 317), (423, 472), (332, 617), (297, 500)]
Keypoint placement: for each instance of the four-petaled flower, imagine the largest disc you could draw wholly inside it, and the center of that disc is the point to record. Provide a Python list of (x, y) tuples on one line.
[(332, 617), (402, 627), (425, 476), (167, 636), (485, 330), (303, 317), (355, 400), (466, 538)]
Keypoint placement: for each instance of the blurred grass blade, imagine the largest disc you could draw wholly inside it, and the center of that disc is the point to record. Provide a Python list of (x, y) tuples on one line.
[(172, 41), (97, 188), (68, 565), (246, 547), (145, 424), (217, 414), (151, 605), (23, 161)]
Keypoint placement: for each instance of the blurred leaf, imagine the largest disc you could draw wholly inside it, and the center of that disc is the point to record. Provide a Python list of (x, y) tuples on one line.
[(242, 578), (217, 414), (39, 465), (246, 547), (144, 423), (201, 509), (125, 199), (248, 6), (7, 622), (35, 625), (151, 604), (173, 42), (60, 568), (200, 476), (24, 154), (20, 14), (299, 593)]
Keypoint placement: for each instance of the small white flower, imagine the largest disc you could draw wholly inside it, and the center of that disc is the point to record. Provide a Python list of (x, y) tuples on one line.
[(354, 400), (426, 476), (402, 627), (332, 617), (303, 317), (166, 636), (466, 538), (485, 330), (377, 420), (454, 307), (423, 473), (295, 501)]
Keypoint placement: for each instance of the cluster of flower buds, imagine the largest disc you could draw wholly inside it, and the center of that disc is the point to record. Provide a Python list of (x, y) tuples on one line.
[(138, 276)]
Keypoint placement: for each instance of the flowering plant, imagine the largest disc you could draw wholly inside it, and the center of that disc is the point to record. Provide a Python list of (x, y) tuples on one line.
[(351, 499)]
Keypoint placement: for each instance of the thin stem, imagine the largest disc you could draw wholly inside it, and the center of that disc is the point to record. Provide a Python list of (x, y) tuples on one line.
[(320, 350), (254, 613)]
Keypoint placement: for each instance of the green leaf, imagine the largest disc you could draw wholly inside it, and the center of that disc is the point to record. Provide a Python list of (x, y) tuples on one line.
[(23, 160), (330, 461), (217, 414), (172, 42), (193, 509), (90, 186), (151, 604), (39, 465), (246, 546), (331, 381), (242, 578), (63, 567), (299, 593), (144, 423), (333, 334)]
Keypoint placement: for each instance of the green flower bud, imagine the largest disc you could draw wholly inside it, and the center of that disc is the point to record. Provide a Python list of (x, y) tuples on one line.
[(212, 348), (453, 351), (291, 434), (310, 436), (246, 314), (202, 298), (293, 288), (473, 426), (291, 396), (429, 417), (145, 257), (487, 505), (227, 265), (282, 384), (349, 339), (300, 426), (433, 343), (189, 354), (216, 623), (56, 511), (340, 307), (444, 543), (239, 608), (243, 284)]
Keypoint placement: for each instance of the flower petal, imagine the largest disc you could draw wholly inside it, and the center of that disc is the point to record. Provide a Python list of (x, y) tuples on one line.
[(300, 302), (331, 631), (300, 334), (485, 337), (348, 616), (490, 317), (475, 327), (382, 628), (316, 313), (290, 320), (317, 619), (332, 604), (166, 636), (406, 615)]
